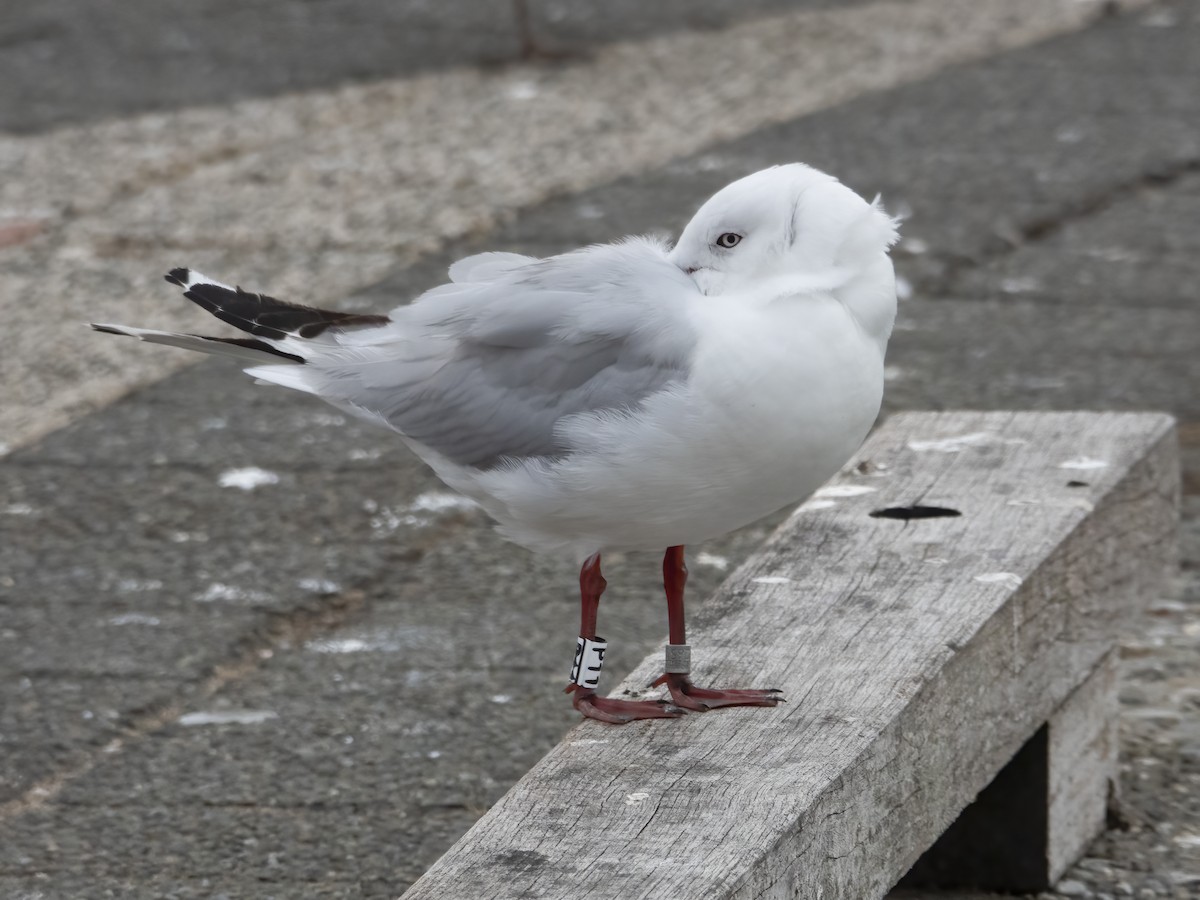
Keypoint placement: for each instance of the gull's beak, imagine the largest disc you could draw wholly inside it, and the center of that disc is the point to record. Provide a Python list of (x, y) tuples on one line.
[(685, 266), (698, 274), (682, 264)]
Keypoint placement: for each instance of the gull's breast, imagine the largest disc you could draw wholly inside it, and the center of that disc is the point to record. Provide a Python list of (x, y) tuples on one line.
[(773, 405), (787, 398)]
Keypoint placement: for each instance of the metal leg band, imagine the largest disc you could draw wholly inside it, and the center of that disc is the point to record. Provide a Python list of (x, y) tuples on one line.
[(679, 659), (589, 659)]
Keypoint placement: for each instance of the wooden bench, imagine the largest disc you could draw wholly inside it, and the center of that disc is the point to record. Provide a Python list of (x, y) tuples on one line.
[(942, 617)]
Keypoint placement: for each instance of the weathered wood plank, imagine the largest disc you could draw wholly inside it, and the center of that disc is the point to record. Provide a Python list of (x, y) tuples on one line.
[(917, 657)]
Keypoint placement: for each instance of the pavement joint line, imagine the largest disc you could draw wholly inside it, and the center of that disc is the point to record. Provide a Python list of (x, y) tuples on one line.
[(423, 160), (1156, 179), (1043, 227), (323, 614), (280, 629)]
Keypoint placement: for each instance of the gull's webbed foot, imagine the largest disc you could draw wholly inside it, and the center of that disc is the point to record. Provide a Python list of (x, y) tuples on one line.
[(688, 696), (619, 712)]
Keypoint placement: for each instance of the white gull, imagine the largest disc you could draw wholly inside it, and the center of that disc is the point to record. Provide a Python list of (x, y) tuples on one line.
[(625, 396)]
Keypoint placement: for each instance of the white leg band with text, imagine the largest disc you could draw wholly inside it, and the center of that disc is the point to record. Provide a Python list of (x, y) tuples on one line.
[(679, 659), (589, 658)]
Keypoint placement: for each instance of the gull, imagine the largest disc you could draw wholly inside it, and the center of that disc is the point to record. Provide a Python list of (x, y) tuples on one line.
[(620, 397)]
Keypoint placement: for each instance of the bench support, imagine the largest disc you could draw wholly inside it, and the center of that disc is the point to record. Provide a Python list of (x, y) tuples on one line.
[(1042, 809)]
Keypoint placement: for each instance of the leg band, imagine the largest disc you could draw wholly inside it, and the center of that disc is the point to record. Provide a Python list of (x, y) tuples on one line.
[(589, 658), (679, 659)]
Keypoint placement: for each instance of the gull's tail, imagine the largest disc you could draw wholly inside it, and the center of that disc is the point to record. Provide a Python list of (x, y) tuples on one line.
[(281, 331)]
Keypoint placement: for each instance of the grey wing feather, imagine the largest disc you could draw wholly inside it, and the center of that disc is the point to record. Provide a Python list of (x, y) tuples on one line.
[(487, 266), (494, 403), (483, 372)]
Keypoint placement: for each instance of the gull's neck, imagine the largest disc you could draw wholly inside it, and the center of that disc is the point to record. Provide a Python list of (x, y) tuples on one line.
[(868, 293), (870, 296)]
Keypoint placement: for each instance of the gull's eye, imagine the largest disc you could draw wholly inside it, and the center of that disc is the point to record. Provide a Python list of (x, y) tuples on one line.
[(729, 239)]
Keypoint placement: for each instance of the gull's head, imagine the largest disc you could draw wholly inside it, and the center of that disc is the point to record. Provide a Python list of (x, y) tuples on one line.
[(779, 223)]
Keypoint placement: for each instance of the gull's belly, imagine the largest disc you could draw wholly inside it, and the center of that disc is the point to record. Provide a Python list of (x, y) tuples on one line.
[(782, 460)]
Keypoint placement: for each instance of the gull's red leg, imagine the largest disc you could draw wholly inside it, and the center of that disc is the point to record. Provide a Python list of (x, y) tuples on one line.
[(683, 692), (615, 712)]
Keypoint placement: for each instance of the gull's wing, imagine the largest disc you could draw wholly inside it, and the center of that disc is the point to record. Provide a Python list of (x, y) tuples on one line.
[(485, 369)]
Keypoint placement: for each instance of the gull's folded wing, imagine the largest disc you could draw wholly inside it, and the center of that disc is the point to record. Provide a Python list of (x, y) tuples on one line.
[(485, 369)]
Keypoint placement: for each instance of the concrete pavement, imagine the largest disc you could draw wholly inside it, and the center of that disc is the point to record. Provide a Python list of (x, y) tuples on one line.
[(318, 194), (58, 61), (309, 689)]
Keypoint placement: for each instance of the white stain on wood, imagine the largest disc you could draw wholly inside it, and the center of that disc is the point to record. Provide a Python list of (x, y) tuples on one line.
[(951, 444), (1064, 502), (1083, 464), (820, 504), (838, 491), (247, 478), (958, 443), (1008, 579), (228, 717)]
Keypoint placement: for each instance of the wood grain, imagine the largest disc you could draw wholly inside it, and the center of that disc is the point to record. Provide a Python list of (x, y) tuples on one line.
[(917, 657)]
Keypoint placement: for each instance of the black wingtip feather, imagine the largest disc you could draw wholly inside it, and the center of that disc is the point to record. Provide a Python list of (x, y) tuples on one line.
[(265, 316), (255, 345), (104, 329)]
